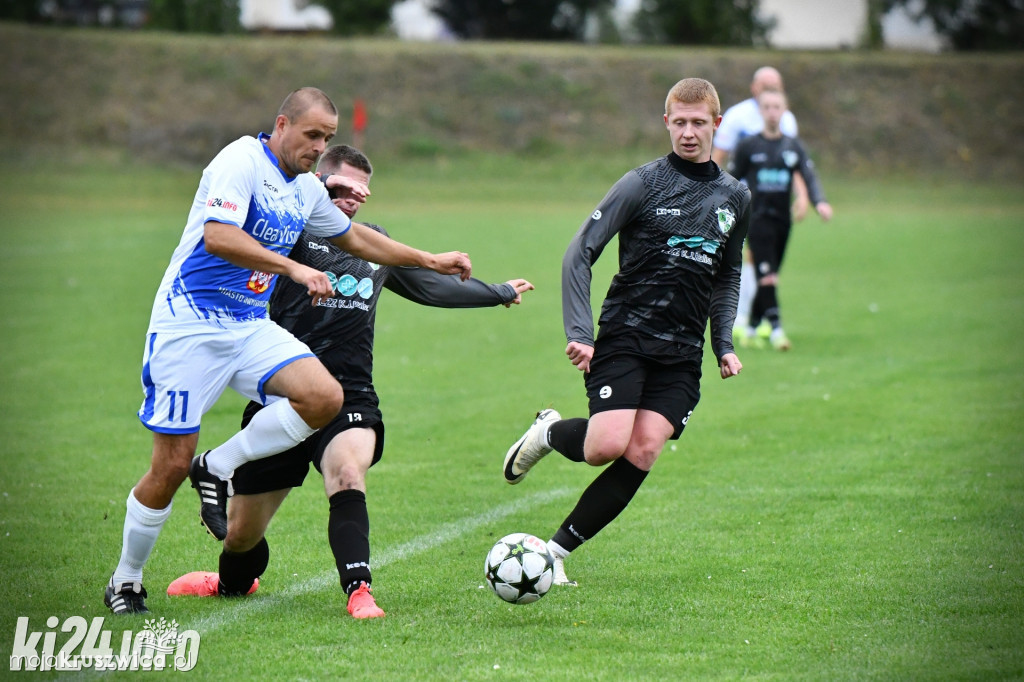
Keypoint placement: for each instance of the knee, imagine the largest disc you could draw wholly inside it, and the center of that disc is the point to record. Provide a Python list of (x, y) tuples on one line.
[(243, 534), (645, 453), (172, 469), (347, 476), (240, 540), (332, 397), (321, 404), (178, 469), (600, 455)]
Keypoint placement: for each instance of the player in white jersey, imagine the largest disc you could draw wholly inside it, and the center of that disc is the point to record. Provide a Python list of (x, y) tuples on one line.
[(209, 328), (744, 119), (740, 121)]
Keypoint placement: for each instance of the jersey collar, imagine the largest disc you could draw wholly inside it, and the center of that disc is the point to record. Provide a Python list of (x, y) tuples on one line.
[(707, 170), (265, 139)]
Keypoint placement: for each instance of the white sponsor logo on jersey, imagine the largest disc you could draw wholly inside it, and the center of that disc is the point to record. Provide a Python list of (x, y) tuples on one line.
[(726, 219)]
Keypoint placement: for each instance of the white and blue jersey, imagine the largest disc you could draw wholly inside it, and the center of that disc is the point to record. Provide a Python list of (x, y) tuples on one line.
[(743, 120), (242, 186)]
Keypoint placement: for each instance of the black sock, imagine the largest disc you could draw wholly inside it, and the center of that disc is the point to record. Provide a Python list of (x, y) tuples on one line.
[(567, 436), (348, 530), (238, 570), (600, 503), (766, 303)]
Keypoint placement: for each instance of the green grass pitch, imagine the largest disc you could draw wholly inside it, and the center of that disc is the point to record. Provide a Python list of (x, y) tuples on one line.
[(850, 510)]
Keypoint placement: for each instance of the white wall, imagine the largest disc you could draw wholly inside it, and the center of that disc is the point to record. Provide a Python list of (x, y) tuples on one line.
[(816, 24)]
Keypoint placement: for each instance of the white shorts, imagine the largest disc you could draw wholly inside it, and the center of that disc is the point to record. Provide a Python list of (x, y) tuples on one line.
[(183, 374)]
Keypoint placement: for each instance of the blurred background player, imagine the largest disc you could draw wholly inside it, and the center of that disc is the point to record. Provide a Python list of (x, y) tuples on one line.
[(678, 268), (340, 331), (769, 162), (740, 121)]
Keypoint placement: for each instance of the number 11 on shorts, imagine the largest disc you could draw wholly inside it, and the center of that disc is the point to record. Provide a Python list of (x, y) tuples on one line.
[(172, 397)]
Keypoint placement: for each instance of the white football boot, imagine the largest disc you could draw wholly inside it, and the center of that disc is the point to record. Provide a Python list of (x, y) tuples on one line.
[(529, 449), (560, 577)]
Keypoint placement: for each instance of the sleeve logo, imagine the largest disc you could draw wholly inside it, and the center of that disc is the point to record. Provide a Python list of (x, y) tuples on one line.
[(217, 202)]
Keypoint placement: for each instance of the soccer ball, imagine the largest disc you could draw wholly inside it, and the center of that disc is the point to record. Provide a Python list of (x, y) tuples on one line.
[(519, 568)]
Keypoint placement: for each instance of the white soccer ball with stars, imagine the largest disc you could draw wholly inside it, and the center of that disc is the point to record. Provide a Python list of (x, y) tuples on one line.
[(519, 568)]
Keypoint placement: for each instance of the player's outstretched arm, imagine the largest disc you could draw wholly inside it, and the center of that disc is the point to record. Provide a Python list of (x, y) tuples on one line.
[(520, 286), (372, 246), (427, 287)]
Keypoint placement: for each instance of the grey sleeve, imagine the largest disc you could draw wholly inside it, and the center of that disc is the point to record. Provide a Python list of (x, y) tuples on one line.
[(806, 168), (427, 287), (615, 211), (726, 292)]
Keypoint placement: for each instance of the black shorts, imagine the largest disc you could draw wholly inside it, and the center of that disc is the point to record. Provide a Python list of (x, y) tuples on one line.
[(289, 468), (631, 371), (767, 240)]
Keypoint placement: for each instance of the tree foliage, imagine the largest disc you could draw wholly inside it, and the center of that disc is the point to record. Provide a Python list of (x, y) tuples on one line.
[(518, 19), (972, 24), (701, 22), (194, 16), (20, 10), (366, 17)]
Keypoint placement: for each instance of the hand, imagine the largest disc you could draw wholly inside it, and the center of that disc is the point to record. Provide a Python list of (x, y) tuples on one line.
[(352, 189), (452, 263), (580, 355), (729, 365), (316, 282), (824, 210), (800, 205), (521, 286)]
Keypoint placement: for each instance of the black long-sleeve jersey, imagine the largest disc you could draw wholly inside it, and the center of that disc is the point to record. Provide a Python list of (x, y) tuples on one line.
[(767, 166), (681, 227), (339, 330)]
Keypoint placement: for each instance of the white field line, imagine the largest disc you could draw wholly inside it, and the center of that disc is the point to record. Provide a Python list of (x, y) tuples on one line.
[(236, 611)]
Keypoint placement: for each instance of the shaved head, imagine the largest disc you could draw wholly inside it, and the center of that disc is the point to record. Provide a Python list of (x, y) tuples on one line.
[(766, 78), (298, 102)]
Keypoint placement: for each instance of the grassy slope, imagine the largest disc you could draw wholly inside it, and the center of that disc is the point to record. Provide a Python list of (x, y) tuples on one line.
[(170, 96)]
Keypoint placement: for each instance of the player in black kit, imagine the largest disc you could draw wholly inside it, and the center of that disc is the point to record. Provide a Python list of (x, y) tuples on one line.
[(339, 331), (768, 163), (681, 221)]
